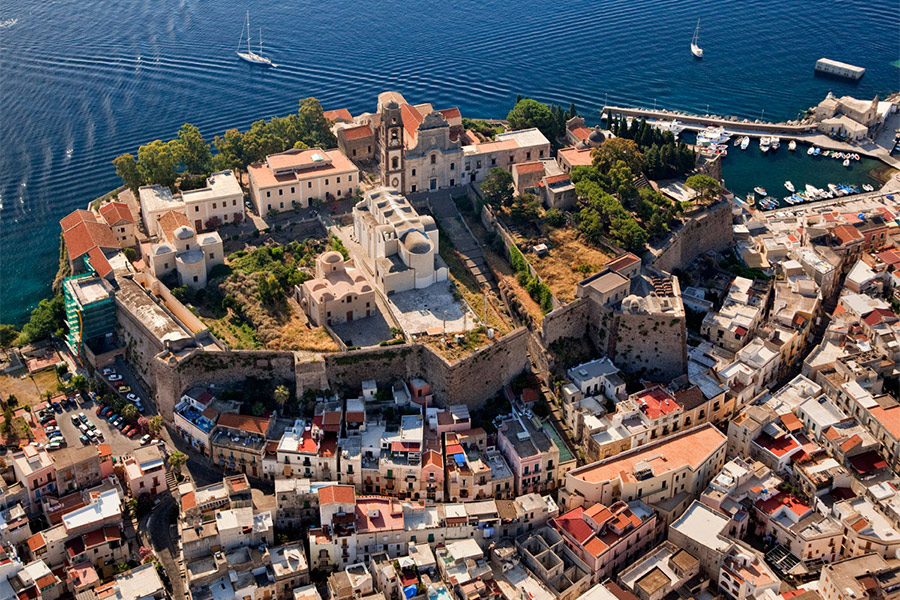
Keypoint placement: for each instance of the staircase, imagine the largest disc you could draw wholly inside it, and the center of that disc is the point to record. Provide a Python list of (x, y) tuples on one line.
[(444, 210)]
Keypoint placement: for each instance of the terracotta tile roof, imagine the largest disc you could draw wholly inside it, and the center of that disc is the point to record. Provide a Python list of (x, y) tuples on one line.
[(356, 417), (791, 422), (879, 315), (529, 167), (581, 132), (171, 221), (574, 525), (411, 119), (115, 213), (432, 458), (451, 113), (342, 494), (188, 501), (36, 542), (82, 237), (357, 133), (690, 398), (846, 234), (45, 581), (655, 402), (307, 444), (103, 450), (889, 419), (851, 442), (867, 462), (831, 434), (75, 217), (340, 114), (98, 262), (250, 424), (792, 503), (550, 180), (328, 446)]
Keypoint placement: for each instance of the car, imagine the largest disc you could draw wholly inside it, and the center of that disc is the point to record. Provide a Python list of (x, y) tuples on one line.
[(114, 377), (120, 384), (54, 446), (98, 434), (79, 398), (112, 417), (57, 407), (99, 410), (131, 434), (50, 423), (71, 402), (119, 424), (109, 371), (107, 411), (75, 420), (56, 435), (124, 389), (131, 396), (82, 417), (126, 429), (90, 424), (145, 440), (82, 428), (139, 406), (92, 434), (46, 418), (85, 439)]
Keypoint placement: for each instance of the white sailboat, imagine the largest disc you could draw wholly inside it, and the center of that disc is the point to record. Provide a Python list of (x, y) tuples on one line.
[(696, 50), (250, 56)]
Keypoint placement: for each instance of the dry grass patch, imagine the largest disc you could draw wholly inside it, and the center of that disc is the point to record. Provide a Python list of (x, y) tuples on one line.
[(568, 261)]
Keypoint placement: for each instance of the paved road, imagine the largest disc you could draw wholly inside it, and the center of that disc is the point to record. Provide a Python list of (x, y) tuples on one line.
[(154, 533)]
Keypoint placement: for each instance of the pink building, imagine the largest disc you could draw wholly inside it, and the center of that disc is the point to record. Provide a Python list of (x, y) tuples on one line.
[(37, 472), (608, 539), (145, 471)]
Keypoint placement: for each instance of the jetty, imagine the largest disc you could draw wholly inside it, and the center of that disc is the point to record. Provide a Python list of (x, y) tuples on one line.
[(826, 66)]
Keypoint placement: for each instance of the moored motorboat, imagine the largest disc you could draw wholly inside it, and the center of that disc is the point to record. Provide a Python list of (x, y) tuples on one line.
[(811, 150), (846, 162), (765, 143), (761, 191), (775, 142), (745, 142), (789, 186), (817, 151), (793, 145), (835, 190), (868, 187)]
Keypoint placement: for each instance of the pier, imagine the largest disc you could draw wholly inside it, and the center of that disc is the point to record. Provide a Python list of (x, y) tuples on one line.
[(805, 133), (835, 68)]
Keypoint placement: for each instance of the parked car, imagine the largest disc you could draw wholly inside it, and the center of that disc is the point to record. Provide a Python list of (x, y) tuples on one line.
[(50, 423), (82, 416), (114, 377), (107, 411), (120, 384), (46, 418), (90, 424), (85, 439), (124, 389), (131, 434), (75, 420), (92, 435), (112, 417), (56, 435), (145, 440), (79, 398), (57, 407), (82, 428), (54, 446), (99, 410), (126, 429), (119, 423), (139, 406), (132, 396), (109, 371)]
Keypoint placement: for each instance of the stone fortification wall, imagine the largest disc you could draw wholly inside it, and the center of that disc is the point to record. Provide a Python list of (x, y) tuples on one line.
[(221, 369), (651, 345), (567, 321), (710, 230)]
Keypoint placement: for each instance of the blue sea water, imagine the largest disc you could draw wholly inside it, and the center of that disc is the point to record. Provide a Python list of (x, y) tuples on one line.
[(81, 82)]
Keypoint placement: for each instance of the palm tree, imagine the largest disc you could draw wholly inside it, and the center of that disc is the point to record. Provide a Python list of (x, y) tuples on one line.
[(155, 424), (282, 394), (177, 460)]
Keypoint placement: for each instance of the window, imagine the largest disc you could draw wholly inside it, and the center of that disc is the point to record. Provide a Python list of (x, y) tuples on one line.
[(349, 178), (292, 189), (413, 188), (478, 164), (541, 154), (395, 163), (195, 279), (214, 206), (339, 192), (165, 265), (528, 156), (268, 194), (433, 158), (234, 202), (308, 184), (212, 255), (280, 193), (452, 182), (452, 166), (493, 161), (413, 172), (281, 205), (338, 179)]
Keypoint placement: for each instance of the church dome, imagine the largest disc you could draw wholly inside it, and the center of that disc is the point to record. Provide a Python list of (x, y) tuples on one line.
[(417, 242), (184, 233), (596, 136)]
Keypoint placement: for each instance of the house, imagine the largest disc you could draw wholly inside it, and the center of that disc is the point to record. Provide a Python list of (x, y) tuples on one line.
[(220, 202), (337, 294), (181, 250), (118, 217), (90, 244), (569, 158), (530, 453), (357, 142), (77, 468), (157, 200), (37, 471), (238, 442), (402, 244), (145, 471), (660, 572), (302, 177)]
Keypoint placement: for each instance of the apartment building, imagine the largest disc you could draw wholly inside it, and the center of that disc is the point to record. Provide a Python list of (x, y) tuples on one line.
[(302, 177)]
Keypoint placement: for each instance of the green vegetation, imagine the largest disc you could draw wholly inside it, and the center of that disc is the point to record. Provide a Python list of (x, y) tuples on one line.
[(555, 217), (537, 289), (8, 335), (664, 157), (708, 188), (733, 264), (177, 460), (483, 127), (46, 319), (550, 119), (497, 188), (190, 159)]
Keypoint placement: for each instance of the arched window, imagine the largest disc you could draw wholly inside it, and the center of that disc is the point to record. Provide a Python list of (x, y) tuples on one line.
[(433, 158), (394, 162), (393, 134)]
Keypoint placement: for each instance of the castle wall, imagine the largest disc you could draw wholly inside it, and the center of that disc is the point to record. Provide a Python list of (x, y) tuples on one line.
[(710, 230), (652, 345)]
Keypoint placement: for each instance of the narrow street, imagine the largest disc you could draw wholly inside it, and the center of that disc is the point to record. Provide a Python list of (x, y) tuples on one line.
[(154, 532)]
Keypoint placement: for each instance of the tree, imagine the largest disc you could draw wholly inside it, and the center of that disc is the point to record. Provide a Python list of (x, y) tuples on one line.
[(314, 127), (525, 208), (157, 160), (130, 413), (258, 409), (142, 423), (45, 320), (282, 395), (529, 113), (177, 460), (8, 416), (79, 382), (8, 335), (193, 152), (613, 150), (555, 217), (497, 188), (230, 151), (706, 186), (155, 424), (127, 169), (130, 254)]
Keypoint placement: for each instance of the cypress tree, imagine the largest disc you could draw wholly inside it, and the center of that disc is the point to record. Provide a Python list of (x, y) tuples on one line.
[(572, 112)]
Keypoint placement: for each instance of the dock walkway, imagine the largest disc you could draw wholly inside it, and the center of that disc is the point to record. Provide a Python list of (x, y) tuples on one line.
[(802, 132)]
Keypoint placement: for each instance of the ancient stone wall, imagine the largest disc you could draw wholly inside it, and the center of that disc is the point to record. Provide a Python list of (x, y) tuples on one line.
[(710, 230), (651, 345), (566, 321)]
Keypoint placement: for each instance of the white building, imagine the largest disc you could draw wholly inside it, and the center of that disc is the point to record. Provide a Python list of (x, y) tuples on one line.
[(157, 200), (402, 244), (301, 176), (220, 202), (182, 251)]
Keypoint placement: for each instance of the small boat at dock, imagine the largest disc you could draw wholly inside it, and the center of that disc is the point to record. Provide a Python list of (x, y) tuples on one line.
[(846, 162), (811, 150), (817, 151), (835, 190), (761, 191), (793, 145), (745, 142), (789, 186), (765, 143), (775, 142), (868, 187)]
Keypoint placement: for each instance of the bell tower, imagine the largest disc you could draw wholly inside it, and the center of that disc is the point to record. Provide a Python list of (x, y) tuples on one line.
[(392, 169)]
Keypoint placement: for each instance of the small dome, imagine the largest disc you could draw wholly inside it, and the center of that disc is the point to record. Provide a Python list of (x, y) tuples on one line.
[(596, 135), (417, 242), (184, 233), (163, 249), (332, 256)]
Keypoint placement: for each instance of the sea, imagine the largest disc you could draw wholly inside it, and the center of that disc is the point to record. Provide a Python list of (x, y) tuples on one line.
[(84, 81)]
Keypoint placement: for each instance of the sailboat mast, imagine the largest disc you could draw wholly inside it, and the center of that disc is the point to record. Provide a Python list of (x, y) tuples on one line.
[(260, 42), (248, 33)]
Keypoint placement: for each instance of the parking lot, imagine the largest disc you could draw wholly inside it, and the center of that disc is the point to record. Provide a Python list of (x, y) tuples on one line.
[(118, 443)]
